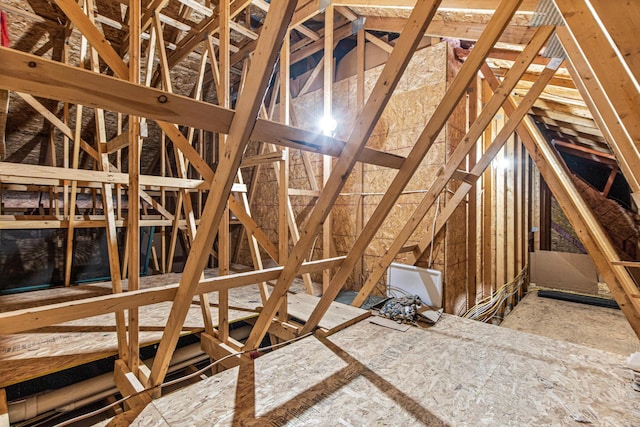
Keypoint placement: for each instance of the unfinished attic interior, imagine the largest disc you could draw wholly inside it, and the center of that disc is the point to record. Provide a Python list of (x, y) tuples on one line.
[(324, 212)]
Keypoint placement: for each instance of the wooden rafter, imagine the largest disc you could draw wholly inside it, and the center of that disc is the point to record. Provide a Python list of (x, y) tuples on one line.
[(585, 152)]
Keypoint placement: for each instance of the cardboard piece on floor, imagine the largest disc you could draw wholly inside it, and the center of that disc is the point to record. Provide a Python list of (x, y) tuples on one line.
[(563, 270), (388, 323)]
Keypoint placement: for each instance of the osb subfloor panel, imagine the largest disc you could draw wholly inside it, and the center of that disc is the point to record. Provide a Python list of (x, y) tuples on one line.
[(458, 372), (598, 327), (42, 351)]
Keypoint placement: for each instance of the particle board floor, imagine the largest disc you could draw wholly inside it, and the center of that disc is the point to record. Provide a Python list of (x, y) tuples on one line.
[(39, 352), (598, 327), (459, 372)]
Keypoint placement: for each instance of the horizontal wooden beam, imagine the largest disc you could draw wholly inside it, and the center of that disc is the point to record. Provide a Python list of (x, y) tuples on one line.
[(303, 192), (193, 4), (17, 173), (462, 5), (289, 136), (259, 159), (572, 128), (27, 222), (585, 152), (513, 34), (531, 76), (39, 317), (564, 117), (243, 30), (37, 76), (304, 12), (512, 55)]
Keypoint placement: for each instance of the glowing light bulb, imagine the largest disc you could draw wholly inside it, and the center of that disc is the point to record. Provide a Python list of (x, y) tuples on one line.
[(328, 125)]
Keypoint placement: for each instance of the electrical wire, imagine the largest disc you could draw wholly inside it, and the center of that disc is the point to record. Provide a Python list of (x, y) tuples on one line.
[(393, 291), (488, 307), (177, 380)]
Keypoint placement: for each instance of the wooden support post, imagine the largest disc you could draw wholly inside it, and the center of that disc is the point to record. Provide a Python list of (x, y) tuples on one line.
[(359, 168), (119, 166), (181, 145), (500, 211), (84, 23), (283, 218), (242, 125), (283, 172), (488, 218), (74, 184), (472, 208), (285, 77), (133, 219), (407, 43), (327, 91), (511, 213), (248, 196), (526, 214), (591, 233), (224, 99), (163, 201), (223, 270), (290, 215)]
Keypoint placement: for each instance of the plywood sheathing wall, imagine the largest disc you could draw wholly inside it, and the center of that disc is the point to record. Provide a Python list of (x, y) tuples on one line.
[(419, 92), (456, 231)]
